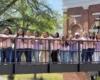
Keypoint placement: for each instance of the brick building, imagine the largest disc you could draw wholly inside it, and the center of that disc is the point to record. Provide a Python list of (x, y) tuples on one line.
[(80, 15)]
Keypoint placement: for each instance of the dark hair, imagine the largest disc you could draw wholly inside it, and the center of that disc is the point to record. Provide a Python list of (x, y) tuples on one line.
[(47, 33), (37, 34), (9, 29), (63, 38), (57, 35), (23, 32), (92, 37)]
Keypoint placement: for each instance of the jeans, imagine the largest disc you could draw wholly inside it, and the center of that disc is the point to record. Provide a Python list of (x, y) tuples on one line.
[(28, 55), (73, 56), (27, 52), (36, 55), (0, 54), (84, 55), (6, 55), (64, 56)]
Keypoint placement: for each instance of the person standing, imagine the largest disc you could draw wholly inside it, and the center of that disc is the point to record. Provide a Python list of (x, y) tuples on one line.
[(55, 46), (97, 48), (0, 46), (84, 47), (19, 45), (64, 51), (37, 46), (6, 55), (91, 48), (45, 53), (74, 47), (28, 46)]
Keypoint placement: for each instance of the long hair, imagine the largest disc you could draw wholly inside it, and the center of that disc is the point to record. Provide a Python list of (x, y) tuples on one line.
[(23, 33), (10, 31)]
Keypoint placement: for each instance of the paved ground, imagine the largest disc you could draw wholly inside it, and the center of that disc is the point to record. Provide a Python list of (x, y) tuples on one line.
[(76, 76), (1, 78)]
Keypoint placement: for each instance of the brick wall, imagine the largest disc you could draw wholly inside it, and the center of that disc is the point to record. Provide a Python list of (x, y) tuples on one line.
[(85, 20)]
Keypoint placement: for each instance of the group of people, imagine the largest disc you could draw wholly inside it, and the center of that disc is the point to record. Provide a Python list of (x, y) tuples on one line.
[(34, 46), (48, 48), (85, 47)]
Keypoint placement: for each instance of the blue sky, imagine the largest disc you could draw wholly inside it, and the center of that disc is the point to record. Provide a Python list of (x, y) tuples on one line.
[(76, 3), (56, 5)]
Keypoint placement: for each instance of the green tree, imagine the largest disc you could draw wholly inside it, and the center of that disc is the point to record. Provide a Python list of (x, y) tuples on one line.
[(29, 14)]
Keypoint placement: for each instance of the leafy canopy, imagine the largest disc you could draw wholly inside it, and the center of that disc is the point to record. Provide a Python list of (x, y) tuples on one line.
[(34, 15)]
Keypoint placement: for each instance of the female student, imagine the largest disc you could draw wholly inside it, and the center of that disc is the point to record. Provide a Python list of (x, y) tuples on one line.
[(6, 55)]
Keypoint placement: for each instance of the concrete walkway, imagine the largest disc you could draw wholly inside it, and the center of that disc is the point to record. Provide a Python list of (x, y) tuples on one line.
[(76, 76)]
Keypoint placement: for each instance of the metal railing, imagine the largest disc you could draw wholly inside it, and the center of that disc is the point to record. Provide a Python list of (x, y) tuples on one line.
[(41, 50)]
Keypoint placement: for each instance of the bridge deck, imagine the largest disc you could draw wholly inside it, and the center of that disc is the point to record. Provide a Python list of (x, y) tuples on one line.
[(24, 68)]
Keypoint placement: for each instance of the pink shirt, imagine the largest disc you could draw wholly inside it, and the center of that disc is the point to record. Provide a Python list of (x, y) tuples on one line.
[(91, 43), (84, 44), (46, 43), (28, 42), (0, 43), (97, 45), (6, 41), (19, 43), (55, 44), (64, 48)]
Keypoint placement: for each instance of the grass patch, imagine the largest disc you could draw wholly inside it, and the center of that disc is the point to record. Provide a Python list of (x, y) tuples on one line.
[(98, 78), (51, 76)]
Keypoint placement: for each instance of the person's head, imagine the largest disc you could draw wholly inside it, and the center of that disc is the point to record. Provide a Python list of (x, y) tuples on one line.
[(20, 32), (91, 36), (45, 34), (57, 35), (7, 31), (77, 35), (36, 34), (28, 33)]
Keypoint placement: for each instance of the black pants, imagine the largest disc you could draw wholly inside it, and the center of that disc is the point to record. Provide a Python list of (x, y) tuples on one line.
[(54, 55), (90, 52), (84, 55), (27, 52)]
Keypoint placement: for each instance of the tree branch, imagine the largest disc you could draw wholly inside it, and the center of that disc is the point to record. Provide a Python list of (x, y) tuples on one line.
[(7, 7)]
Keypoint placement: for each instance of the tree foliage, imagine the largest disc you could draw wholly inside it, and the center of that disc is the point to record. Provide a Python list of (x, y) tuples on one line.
[(28, 14)]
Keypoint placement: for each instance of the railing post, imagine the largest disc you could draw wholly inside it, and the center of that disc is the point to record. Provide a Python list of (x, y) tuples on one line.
[(49, 49), (11, 76), (78, 57)]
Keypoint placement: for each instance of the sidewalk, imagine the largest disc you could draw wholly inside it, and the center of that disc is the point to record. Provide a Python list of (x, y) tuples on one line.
[(76, 76)]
